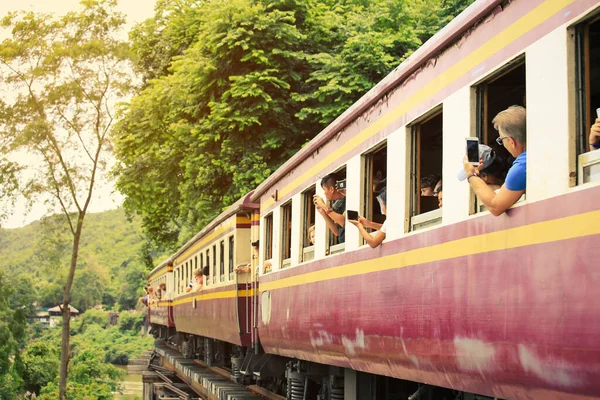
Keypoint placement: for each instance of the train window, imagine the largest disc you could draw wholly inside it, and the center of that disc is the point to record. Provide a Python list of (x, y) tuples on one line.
[(286, 234), (222, 261), (201, 260), (214, 265), (208, 265), (426, 160), (375, 172), (335, 244), (195, 262), (503, 89), (231, 259), (588, 97), (187, 273), (308, 225), (269, 237)]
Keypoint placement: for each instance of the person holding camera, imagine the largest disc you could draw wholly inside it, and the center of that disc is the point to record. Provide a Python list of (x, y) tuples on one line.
[(511, 127), (334, 216), (373, 239)]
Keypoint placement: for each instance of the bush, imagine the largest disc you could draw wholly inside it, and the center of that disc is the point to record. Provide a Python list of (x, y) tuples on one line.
[(131, 321)]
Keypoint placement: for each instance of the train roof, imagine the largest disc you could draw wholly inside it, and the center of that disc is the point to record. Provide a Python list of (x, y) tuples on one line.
[(437, 43), (243, 204), (159, 267)]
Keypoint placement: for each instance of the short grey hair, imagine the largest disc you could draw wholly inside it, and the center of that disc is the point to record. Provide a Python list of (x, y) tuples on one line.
[(512, 122)]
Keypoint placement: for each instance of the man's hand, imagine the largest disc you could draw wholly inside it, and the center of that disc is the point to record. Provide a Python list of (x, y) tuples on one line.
[(319, 203), (594, 134), (470, 168)]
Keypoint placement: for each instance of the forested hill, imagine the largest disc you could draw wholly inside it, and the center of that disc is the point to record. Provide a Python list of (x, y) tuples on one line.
[(109, 271)]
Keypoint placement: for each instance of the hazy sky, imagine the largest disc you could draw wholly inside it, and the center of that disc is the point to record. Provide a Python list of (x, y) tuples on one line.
[(136, 11)]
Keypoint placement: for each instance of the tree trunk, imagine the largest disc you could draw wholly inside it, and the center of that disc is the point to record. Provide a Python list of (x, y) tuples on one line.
[(66, 312)]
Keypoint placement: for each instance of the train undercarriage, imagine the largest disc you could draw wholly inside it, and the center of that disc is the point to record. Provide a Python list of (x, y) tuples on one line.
[(292, 379)]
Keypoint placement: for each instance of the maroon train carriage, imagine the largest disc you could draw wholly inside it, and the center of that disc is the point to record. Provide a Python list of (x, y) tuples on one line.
[(222, 309), (455, 299), (160, 311)]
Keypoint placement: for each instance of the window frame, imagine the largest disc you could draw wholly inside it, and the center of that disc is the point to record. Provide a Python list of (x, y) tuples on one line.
[(582, 92), (214, 266), (209, 277), (286, 234), (367, 197), (222, 261), (231, 256), (434, 217), (268, 235), (307, 250)]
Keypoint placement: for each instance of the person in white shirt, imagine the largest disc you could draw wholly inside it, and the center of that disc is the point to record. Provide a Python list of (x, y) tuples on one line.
[(376, 238)]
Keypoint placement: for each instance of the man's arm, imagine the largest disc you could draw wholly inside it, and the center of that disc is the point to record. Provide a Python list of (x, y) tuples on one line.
[(496, 203), (339, 219), (330, 222)]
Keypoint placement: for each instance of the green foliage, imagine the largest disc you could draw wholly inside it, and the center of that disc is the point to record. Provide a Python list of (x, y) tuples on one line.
[(233, 89), (41, 365), (131, 321), (109, 270)]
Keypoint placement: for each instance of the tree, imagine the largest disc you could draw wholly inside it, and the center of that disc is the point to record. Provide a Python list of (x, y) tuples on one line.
[(67, 74), (195, 140), (12, 337), (225, 106)]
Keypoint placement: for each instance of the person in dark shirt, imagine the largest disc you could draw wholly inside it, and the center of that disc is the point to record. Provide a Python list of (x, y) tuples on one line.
[(335, 216)]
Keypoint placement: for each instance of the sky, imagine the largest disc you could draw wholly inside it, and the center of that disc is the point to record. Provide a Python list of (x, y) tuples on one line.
[(106, 197)]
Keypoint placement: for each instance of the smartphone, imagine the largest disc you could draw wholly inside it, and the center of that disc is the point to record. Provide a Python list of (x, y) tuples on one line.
[(473, 150), (340, 184), (352, 215)]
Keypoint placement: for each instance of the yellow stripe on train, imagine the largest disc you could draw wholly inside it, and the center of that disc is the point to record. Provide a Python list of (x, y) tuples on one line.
[(580, 225)]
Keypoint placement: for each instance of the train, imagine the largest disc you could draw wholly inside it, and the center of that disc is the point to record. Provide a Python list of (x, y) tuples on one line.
[(456, 302)]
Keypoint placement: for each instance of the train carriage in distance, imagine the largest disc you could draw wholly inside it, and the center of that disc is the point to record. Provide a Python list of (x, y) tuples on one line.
[(222, 309), (160, 310), (456, 303)]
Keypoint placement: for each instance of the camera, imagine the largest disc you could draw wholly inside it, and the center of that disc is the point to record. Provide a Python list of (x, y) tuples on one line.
[(339, 185)]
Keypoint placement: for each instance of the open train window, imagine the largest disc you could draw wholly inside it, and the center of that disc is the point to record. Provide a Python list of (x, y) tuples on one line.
[(499, 91), (207, 279), (587, 52), (268, 238), (335, 244), (425, 171), (196, 262), (308, 225), (201, 261), (222, 261), (231, 259), (186, 280), (176, 280), (214, 264), (286, 234), (374, 180)]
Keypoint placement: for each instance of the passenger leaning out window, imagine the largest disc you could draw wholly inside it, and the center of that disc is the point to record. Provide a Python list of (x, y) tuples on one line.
[(335, 215), (373, 239), (511, 126)]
